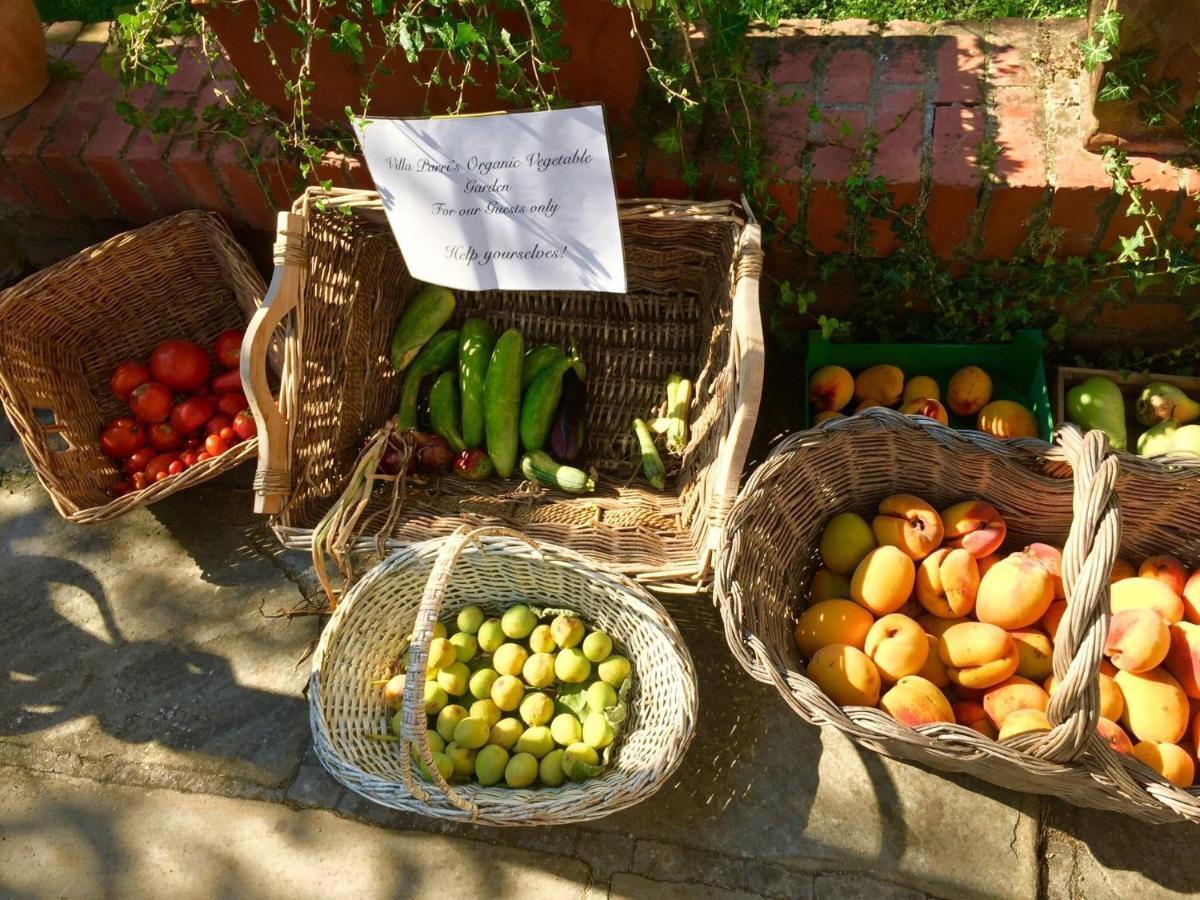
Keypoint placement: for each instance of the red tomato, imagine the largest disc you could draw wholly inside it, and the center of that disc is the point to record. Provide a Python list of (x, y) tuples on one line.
[(191, 414), (176, 467), (140, 480), (228, 348), (228, 382), (121, 488), (203, 455), (180, 364), (151, 402), (157, 468), (215, 445), (231, 404), (216, 423), (127, 376), (163, 437), (244, 425), (228, 435), (121, 438), (189, 458)]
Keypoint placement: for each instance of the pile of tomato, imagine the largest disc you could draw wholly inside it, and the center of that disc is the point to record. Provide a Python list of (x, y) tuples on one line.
[(181, 416)]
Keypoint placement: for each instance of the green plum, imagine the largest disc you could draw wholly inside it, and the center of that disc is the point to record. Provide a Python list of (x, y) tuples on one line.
[(506, 732), (507, 692), (597, 646), (566, 730), (518, 621), (490, 763), (614, 670), (469, 619), (572, 666), (509, 659), (550, 769), (538, 670), (481, 682), (490, 635), (536, 709), (535, 740)]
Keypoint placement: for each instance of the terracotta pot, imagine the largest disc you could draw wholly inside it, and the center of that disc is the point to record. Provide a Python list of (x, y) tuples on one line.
[(23, 73), (606, 64)]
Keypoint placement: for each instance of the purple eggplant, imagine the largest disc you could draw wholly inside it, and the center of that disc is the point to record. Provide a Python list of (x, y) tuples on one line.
[(567, 431)]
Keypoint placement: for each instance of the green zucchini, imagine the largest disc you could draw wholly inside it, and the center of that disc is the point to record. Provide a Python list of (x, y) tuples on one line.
[(425, 313), (476, 341), (538, 466), (652, 464), (437, 356), (537, 360), (443, 410), (541, 400), (502, 401)]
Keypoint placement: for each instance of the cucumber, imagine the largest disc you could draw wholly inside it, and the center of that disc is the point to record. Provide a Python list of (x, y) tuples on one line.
[(425, 313), (541, 400), (652, 464), (538, 466), (537, 360), (502, 401), (438, 355), (476, 341), (443, 410)]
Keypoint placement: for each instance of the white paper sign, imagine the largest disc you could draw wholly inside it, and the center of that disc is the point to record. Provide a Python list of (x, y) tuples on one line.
[(519, 201)]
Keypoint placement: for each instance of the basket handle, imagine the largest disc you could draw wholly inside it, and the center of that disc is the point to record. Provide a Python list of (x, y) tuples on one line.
[(272, 479), (415, 732)]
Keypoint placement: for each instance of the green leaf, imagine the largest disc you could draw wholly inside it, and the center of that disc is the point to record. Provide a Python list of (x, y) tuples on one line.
[(1130, 246), (347, 38), (466, 36), (1095, 53), (573, 697), (1108, 26), (1113, 89), (669, 141)]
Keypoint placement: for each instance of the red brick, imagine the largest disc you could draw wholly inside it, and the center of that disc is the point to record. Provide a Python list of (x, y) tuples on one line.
[(332, 168), (839, 126), (1121, 225), (663, 175), (949, 217), (883, 238), (103, 158), (1010, 43), (241, 183), (189, 165), (786, 195), (1076, 212), (786, 113), (847, 77), (850, 27), (282, 175), (12, 195), (795, 63), (1007, 223), (1184, 228), (60, 36), (1022, 159), (783, 159), (900, 124), (146, 160), (189, 73), (1144, 316), (626, 164), (827, 216), (47, 198), (957, 137), (83, 54), (903, 61), (959, 68), (31, 133)]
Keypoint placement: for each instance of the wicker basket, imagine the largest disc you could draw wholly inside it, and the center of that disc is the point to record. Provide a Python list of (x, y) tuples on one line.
[(851, 464), (692, 307), (64, 330), (404, 597)]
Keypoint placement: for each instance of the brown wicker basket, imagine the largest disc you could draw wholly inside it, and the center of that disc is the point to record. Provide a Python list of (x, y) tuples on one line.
[(692, 307), (402, 598), (1074, 490), (64, 330)]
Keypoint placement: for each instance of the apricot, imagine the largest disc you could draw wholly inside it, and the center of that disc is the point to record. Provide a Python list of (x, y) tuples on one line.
[(832, 622), (1023, 721), (847, 538), (1147, 593), (1138, 640), (935, 625), (1050, 558), (830, 388), (883, 580), (1170, 761), (1035, 654), (1112, 704), (934, 670), (1191, 598), (987, 562), (973, 716), (978, 655), (1156, 708), (947, 583), (975, 526), (1011, 695), (909, 523), (927, 407), (914, 701), (921, 387), (969, 391), (1007, 420), (1054, 613), (1115, 736), (1015, 593), (828, 585), (1166, 569), (1183, 657), (1122, 570), (897, 646), (882, 384), (828, 416), (846, 675)]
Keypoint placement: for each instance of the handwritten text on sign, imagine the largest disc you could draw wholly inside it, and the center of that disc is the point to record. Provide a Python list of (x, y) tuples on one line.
[(521, 201)]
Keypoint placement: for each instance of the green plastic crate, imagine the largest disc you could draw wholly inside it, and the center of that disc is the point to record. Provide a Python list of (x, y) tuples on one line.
[(1016, 369)]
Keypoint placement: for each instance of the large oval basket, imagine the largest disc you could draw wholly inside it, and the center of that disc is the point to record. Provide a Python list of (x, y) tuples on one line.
[(491, 567), (1074, 491)]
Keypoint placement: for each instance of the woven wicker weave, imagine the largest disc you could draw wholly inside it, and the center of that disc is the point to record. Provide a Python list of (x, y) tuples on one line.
[(494, 568), (1113, 502), (64, 330), (692, 307)]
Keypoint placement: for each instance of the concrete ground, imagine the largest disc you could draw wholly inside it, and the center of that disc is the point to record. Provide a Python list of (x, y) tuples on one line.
[(154, 740)]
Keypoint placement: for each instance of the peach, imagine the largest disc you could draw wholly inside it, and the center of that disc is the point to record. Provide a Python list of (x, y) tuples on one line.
[(1137, 640), (969, 391), (897, 646), (921, 387), (1115, 736), (973, 715), (1007, 420), (1196, 730), (927, 407), (883, 580), (1170, 761), (1122, 570), (882, 384), (830, 388), (909, 523), (1015, 593), (1112, 704), (1191, 598), (828, 416), (828, 585), (1156, 708), (975, 526), (934, 670), (847, 538), (1166, 569), (1147, 593), (1183, 657), (947, 582), (978, 655), (832, 622), (1011, 695), (1035, 654), (987, 562), (913, 701), (846, 675), (1054, 614), (1050, 559), (936, 625), (1023, 721)]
